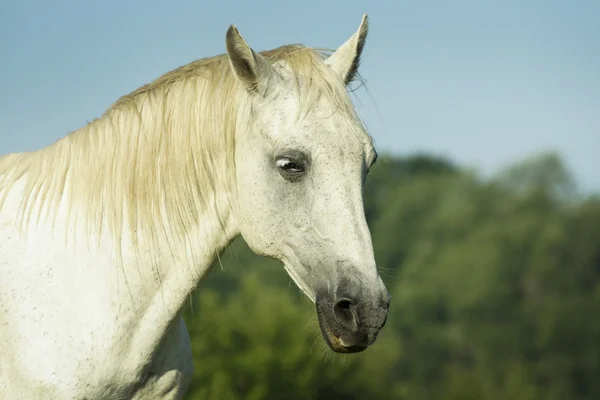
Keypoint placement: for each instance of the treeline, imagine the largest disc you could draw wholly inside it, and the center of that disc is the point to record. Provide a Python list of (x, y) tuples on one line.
[(495, 287)]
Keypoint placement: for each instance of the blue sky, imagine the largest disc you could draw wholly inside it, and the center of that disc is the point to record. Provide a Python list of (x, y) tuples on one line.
[(486, 83)]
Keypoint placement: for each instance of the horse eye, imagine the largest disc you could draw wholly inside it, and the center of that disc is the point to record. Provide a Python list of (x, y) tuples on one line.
[(289, 165), (292, 170)]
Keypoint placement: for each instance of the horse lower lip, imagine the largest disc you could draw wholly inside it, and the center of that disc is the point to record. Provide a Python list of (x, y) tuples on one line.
[(338, 345)]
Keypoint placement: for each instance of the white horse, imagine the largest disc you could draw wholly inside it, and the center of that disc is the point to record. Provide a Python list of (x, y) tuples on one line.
[(105, 233)]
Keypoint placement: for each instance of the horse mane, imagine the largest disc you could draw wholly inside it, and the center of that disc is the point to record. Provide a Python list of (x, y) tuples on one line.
[(154, 160)]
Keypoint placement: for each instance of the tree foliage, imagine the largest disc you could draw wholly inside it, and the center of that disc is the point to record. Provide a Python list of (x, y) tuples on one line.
[(495, 289)]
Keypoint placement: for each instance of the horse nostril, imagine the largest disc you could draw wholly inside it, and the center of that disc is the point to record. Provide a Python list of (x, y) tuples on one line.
[(345, 304), (344, 312)]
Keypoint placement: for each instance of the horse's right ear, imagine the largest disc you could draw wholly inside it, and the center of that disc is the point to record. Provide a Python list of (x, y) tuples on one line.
[(346, 59), (251, 68)]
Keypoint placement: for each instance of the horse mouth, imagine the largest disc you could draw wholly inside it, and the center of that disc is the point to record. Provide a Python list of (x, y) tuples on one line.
[(337, 344)]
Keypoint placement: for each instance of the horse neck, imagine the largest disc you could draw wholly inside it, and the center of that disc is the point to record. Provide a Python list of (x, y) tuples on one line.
[(157, 190), (196, 216), (182, 193)]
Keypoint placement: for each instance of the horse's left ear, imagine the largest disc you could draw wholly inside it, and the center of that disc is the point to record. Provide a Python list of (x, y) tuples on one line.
[(251, 68), (346, 59)]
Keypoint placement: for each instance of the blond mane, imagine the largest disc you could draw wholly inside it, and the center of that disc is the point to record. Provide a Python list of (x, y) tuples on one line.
[(155, 159)]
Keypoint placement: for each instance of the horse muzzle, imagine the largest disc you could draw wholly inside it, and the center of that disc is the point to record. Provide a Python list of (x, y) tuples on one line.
[(349, 324)]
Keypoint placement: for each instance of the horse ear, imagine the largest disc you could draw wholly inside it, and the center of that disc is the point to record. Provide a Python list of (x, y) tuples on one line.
[(346, 59), (251, 68)]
